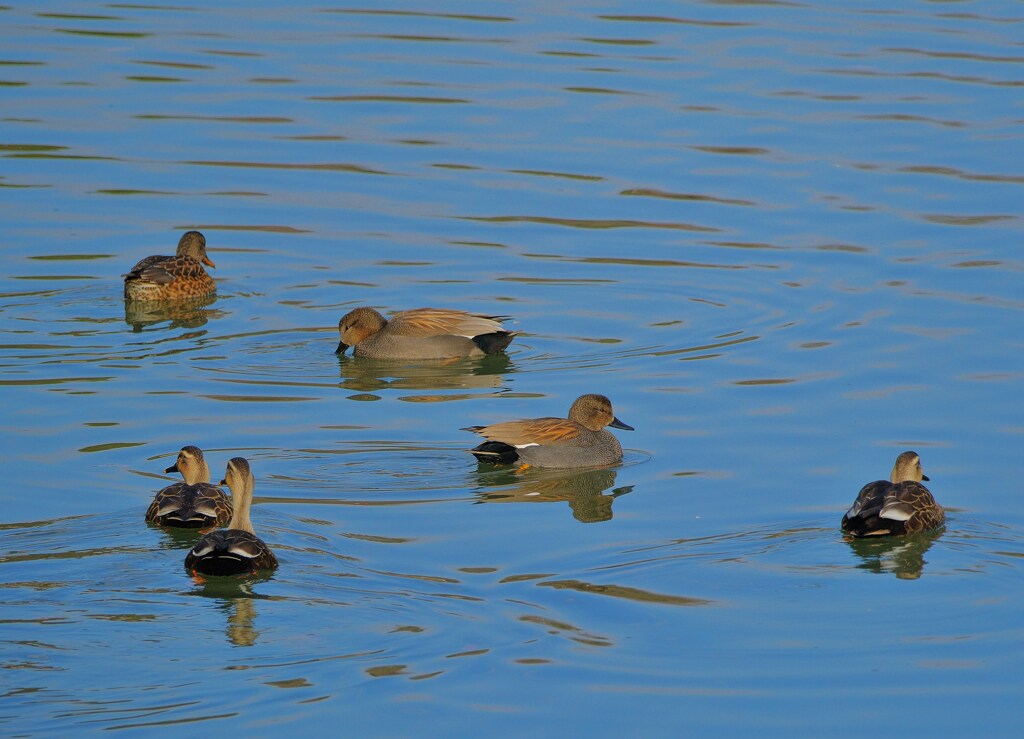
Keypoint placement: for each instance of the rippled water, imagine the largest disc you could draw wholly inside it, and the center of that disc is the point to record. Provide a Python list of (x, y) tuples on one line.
[(784, 239)]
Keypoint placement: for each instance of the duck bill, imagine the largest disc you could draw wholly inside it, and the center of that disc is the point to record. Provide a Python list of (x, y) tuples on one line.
[(926, 478), (172, 468), (617, 424), (209, 262), (342, 348)]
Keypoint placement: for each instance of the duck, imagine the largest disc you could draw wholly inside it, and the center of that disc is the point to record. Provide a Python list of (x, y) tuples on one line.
[(897, 506), (235, 550), (577, 441), (421, 333), (194, 503), (181, 277)]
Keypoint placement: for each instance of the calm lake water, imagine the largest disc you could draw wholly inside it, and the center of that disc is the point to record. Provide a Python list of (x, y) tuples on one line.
[(783, 238)]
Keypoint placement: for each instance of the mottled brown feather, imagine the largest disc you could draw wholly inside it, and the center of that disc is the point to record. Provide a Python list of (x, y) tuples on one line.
[(230, 552), (190, 506), (900, 505), (439, 321), (237, 549), (551, 431), (165, 278)]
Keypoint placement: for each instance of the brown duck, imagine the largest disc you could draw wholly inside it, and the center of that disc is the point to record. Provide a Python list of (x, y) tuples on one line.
[(194, 503), (577, 441), (161, 278), (421, 333), (901, 505), (235, 550)]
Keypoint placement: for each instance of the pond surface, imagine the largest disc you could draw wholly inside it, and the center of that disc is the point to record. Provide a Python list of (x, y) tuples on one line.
[(784, 239)]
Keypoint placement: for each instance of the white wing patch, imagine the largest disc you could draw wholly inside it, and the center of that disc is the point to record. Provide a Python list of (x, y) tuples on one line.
[(243, 549), (202, 549), (896, 511), (169, 506)]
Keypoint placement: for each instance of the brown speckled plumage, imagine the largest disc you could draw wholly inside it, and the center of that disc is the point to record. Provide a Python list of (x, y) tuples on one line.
[(901, 505), (577, 441), (194, 503), (421, 333), (235, 550), (162, 278)]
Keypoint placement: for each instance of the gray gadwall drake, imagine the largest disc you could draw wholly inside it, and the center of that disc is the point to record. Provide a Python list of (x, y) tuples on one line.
[(421, 333), (901, 505), (160, 278), (235, 550), (577, 441), (194, 503)]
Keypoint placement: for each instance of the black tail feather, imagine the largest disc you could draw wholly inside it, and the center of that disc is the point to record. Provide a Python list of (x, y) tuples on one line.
[(872, 525), (495, 342), (222, 563), (495, 452)]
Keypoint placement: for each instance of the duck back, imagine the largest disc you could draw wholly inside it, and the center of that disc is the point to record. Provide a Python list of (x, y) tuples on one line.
[(230, 552), (884, 508), (190, 506)]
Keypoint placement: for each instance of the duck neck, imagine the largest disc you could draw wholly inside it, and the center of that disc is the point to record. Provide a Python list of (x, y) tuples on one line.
[(241, 501), (196, 472)]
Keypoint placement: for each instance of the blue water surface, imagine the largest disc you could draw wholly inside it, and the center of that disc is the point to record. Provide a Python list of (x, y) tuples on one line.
[(782, 238)]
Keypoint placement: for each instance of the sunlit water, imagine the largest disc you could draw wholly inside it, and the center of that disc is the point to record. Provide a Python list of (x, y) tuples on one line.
[(784, 239)]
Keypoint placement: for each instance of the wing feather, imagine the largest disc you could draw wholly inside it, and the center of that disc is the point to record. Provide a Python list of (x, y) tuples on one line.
[(246, 547), (549, 431), (144, 264), (161, 270), (439, 321)]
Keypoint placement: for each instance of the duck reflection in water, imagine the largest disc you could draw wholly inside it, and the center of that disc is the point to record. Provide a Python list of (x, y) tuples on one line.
[(191, 313), (903, 556), (363, 374), (581, 489), (238, 602)]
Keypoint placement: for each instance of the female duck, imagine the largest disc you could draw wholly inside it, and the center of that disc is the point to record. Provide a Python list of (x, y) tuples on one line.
[(160, 278), (235, 550), (901, 505), (577, 441), (422, 333), (194, 503)]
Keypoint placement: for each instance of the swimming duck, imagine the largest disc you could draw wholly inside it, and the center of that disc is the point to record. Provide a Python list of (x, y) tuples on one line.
[(236, 549), (194, 503), (173, 278), (901, 505), (577, 441), (421, 333)]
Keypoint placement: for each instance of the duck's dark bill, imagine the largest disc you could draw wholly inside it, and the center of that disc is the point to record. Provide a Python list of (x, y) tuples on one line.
[(926, 478), (172, 468), (342, 346), (617, 424)]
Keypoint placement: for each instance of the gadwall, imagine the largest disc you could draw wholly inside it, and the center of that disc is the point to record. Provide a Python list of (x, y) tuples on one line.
[(577, 441), (901, 505), (421, 333), (161, 278), (194, 503), (236, 549)]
